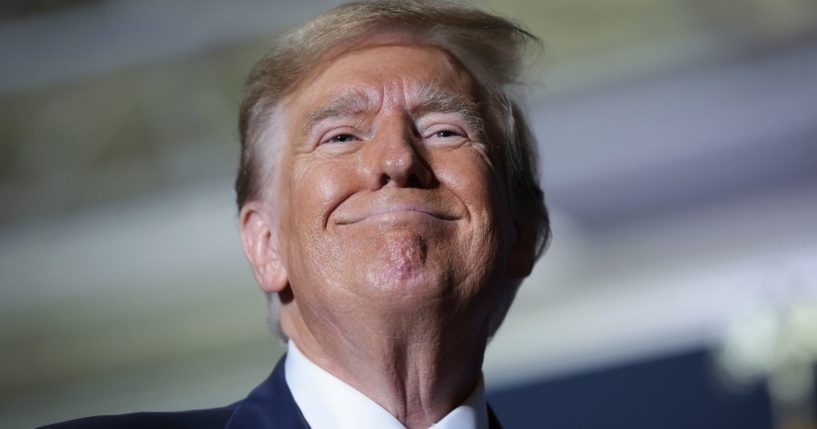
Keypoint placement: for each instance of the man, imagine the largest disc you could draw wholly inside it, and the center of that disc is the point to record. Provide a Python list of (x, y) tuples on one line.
[(389, 207)]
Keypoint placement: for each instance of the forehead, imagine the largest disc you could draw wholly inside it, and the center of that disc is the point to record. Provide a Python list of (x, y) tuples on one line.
[(387, 69)]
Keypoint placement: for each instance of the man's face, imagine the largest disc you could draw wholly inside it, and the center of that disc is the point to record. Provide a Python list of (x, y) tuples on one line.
[(388, 200)]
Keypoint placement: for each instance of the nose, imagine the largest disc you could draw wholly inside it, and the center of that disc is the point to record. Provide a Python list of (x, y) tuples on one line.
[(395, 159)]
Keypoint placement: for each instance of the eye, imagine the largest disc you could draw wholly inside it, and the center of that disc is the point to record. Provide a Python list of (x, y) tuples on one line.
[(341, 138), (445, 133)]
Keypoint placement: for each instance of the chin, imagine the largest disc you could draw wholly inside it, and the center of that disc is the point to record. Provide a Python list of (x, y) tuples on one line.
[(396, 283), (399, 260)]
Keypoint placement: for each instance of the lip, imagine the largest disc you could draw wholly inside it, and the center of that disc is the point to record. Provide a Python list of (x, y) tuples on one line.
[(394, 211)]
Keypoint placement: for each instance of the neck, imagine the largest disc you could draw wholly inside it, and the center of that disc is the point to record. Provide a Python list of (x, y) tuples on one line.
[(417, 373)]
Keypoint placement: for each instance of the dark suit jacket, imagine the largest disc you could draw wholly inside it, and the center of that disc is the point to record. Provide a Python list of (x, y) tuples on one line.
[(269, 406)]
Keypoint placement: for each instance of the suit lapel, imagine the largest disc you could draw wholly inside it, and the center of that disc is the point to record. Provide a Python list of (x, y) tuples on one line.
[(269, 406), (493, 422)]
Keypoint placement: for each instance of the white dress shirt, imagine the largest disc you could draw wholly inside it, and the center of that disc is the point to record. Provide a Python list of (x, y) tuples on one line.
[(327, 402)]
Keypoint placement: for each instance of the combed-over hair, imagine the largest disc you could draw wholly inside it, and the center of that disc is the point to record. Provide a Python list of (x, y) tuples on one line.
[(490, 48)]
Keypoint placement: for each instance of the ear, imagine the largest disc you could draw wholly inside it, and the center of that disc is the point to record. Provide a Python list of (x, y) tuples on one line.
[(523, 249), (259, 238)]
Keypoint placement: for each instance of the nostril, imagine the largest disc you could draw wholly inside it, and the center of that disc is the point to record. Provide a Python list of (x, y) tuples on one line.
[(384, 180), (413, 181)]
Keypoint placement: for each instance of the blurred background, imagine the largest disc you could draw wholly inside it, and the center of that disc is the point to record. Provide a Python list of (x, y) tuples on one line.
[(679, 158)]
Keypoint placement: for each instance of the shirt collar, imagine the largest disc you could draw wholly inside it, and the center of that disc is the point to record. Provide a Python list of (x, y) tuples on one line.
[(327, 402)]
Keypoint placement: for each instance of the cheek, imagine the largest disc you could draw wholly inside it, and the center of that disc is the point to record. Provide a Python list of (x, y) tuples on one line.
[(472, 180), (475, 183), (317, 187)]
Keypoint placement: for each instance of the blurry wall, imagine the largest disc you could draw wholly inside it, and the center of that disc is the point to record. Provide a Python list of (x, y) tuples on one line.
[(679, 146)]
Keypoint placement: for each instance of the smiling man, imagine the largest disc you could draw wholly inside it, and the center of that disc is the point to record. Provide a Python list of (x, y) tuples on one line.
[(389, 207)]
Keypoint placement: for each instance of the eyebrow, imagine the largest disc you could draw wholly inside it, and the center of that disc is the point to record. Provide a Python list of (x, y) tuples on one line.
[(429, 98), (350, 102)]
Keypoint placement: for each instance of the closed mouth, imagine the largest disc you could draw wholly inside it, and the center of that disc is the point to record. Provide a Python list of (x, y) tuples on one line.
[(397, 210)]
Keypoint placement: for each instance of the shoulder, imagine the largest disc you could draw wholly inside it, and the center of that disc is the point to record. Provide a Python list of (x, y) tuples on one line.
[(270, 405), (198, 419)]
